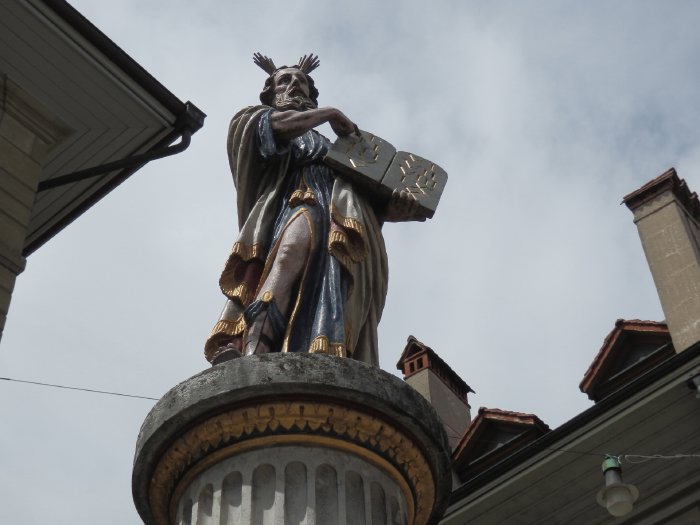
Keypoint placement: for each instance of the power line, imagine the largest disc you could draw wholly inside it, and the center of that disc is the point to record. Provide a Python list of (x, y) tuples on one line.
[(637, 458), (628, 458), (77, 388)]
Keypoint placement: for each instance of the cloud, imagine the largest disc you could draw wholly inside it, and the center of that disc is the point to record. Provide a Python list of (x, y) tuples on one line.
[(544, 114)]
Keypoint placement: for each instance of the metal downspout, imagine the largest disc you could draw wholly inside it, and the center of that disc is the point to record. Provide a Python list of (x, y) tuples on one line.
[(189, 122)]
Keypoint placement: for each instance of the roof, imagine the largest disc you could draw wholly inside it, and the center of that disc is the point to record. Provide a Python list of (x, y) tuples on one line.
[(414, 348), (561, 469), (631, 348), (110, 107), (493, 435)]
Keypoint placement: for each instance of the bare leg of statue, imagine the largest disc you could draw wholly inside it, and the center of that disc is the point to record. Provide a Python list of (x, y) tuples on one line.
[(267, 325)]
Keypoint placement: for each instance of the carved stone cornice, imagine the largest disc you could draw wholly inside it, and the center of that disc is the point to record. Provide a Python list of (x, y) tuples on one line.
[(291, 399), (668, 184), (268, 424)]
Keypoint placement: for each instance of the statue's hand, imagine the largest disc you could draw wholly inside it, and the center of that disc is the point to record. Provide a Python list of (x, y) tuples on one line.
[(402, 206), (342, 125)]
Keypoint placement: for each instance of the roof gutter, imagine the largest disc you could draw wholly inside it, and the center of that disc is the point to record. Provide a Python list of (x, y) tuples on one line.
[(116, 55), (186, 124), (575, 423), (188, 119)]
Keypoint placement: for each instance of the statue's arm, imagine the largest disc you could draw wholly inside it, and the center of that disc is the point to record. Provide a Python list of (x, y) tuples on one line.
[(287, 125)]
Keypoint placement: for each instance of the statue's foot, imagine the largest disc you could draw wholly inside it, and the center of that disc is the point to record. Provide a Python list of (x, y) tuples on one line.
[(227, 352), (265, 327)]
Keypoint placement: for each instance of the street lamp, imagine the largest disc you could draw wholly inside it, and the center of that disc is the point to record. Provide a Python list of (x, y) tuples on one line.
[(617, 497)]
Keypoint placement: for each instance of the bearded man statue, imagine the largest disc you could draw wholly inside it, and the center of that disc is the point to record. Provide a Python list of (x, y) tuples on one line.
[(308, 271)]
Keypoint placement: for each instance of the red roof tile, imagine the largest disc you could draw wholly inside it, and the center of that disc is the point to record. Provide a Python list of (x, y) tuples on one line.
[(413, 348), (480, 445), (618, 343)]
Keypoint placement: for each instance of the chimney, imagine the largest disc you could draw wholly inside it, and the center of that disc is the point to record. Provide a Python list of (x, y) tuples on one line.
[(667, 215), (427, 373)]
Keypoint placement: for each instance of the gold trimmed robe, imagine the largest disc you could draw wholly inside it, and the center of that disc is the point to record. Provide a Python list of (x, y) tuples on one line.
[(354, 239)]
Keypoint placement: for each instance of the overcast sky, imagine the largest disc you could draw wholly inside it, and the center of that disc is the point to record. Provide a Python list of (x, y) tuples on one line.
[(544, 115)]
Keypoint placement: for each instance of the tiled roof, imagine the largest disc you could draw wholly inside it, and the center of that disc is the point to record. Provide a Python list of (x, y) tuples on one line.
[(631, 339), (493, 435), (435, 362)]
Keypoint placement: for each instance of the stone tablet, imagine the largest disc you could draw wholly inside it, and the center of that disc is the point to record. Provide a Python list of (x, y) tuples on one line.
[(373, 164), (423, 179), (362, 160)]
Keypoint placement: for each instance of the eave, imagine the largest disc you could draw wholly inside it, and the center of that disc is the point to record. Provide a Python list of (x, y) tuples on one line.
[(109, 106), (559, 474)]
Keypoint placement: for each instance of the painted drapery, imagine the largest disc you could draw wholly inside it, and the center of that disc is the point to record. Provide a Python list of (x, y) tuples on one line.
[(339, 299)]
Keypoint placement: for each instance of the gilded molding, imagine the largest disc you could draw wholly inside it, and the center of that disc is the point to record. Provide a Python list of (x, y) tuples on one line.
[(247, 252), (337, 248), (223, 329), (229, 327), (321, 345), (299, 197), (239, 253), (240, 292), (350, 224), (353, 238), (323, 424)]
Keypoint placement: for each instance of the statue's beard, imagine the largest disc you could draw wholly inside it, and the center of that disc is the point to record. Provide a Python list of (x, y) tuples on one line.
[(299, 102)]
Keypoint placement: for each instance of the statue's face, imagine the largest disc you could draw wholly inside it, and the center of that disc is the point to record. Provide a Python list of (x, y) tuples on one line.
[(291, 90), (291, 81)]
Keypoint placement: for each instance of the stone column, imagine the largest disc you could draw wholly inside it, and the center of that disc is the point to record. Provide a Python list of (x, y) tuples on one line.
[(667, 216), (27, 133), (291, 439)]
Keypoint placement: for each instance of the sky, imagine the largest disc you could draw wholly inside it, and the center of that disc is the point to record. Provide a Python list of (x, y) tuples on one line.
[(544, 115)]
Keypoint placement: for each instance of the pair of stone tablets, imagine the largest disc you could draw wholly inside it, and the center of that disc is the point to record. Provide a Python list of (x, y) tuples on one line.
[(372, 163)]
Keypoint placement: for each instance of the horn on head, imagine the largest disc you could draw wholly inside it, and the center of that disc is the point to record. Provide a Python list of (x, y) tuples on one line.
[(264, 63), (308, 63)]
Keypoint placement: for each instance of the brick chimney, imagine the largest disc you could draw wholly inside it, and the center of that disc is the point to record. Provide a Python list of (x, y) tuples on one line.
[(427, 373), (667, 215)]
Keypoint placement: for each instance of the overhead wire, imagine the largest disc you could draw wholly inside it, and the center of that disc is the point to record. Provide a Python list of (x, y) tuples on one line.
[(626, 458), (77, 388), (638, 458)]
